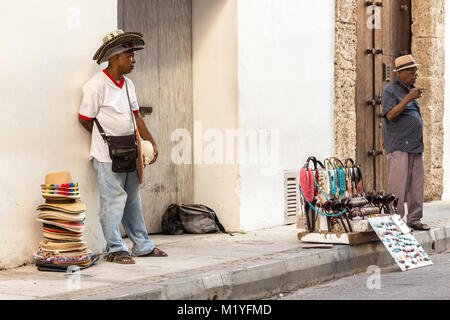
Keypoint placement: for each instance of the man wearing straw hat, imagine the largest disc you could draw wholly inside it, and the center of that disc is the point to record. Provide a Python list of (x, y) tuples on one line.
[(108, 97), (403, 140)]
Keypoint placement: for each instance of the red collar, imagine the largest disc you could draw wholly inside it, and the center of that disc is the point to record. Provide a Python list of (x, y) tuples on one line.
[(112, 79)]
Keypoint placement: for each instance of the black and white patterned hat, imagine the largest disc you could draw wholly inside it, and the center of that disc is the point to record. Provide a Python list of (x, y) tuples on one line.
[(117, 42)]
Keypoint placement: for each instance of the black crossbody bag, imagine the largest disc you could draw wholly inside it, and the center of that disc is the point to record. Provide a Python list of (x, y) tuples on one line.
[(123, 150)]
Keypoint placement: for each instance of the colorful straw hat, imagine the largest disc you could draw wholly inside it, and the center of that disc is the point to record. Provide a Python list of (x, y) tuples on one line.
[(69, 206), (55, 181), (58, 215), (63, 216), (71, 226), (58, 178), (60, 195), (57, 233), (57, 246), (56, 229), (117, 42), (58, 236)]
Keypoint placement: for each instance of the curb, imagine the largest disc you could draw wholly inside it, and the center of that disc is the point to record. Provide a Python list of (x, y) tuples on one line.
[(282, 272)]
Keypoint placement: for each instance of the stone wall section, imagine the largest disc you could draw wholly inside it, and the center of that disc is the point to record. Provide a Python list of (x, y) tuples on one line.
[(345, 79), (428, 50)]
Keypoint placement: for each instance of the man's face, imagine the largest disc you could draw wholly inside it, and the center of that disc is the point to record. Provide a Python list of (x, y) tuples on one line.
[(125, 62), (408, 76)]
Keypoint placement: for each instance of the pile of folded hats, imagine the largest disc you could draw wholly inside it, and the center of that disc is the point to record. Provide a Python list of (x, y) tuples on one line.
[(62, 215)]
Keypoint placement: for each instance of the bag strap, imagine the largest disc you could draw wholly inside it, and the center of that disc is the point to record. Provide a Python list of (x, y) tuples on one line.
[(102, 132), (131, 111)]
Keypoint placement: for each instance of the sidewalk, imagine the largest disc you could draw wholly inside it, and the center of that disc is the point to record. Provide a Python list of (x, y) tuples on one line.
[(255, 265)]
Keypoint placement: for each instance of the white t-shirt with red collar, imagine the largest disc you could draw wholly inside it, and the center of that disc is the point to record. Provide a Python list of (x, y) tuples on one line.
[(106, 100)]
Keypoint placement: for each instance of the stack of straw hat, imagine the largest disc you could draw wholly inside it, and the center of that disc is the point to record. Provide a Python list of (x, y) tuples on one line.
[(62, 215)]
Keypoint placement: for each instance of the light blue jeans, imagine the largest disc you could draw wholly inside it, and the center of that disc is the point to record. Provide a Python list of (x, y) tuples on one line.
[(120, 202)]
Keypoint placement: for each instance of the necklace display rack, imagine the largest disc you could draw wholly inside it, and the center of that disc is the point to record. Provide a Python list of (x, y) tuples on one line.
[(337, 210), (335, 206)]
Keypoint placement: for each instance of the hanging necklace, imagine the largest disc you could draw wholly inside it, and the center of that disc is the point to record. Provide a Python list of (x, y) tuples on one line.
[(307, 183), (332, 175), (355, 192), (341, 180), (348, 180), (326, 182)]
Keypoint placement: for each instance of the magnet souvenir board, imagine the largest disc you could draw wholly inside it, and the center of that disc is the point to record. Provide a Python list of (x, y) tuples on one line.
[(403, 247)]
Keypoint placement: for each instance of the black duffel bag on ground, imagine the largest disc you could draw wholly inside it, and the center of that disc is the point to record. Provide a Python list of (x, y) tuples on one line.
[(194, 218), (170, 222)]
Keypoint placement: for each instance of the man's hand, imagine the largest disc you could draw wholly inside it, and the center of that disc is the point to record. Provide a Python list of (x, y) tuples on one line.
[(398, 109), (415, 93), (155, 153)]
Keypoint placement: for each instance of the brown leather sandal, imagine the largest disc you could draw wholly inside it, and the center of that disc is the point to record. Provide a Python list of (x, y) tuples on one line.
[(121, 257), (155, 253)]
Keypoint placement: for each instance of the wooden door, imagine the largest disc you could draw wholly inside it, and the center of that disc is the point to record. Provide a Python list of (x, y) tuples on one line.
[(383, 34), (163, 80)]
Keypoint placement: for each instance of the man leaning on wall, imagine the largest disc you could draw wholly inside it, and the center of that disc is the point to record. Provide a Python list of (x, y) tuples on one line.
[(403, 140), (110, 98)]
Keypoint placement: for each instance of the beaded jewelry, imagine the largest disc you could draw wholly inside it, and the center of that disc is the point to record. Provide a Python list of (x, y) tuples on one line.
[(314, 208), (321, 185), (341, 181), (333, 182), (326, 182), (307, 183)]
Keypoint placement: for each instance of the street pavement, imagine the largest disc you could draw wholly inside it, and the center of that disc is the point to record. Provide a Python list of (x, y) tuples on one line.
[(252, 265), (389, 283)]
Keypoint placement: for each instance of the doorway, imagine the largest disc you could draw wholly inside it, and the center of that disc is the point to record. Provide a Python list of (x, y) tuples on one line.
[(383, 34), (163, 81)]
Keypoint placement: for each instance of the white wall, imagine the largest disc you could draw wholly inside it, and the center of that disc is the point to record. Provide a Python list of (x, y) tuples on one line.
[(46, 54), (446, 121), (215, 102), (286, 76)]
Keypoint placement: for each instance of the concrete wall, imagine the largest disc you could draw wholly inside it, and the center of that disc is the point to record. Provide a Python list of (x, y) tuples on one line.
[(286, 68), (215, 100), (261, 72), (47, 49)]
